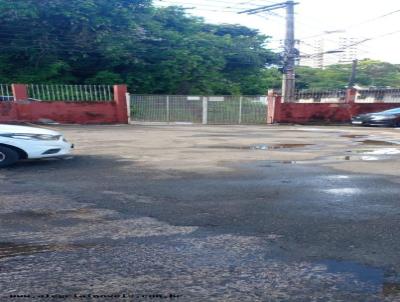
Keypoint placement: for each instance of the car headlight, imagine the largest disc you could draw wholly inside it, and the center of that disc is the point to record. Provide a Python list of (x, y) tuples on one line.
[(32, 136)]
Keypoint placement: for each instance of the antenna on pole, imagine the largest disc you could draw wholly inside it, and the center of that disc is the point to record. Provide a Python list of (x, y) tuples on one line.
[(290, 52)]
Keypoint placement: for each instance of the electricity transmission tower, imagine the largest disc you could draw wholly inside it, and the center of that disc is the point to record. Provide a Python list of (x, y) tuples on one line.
[(290, 52)]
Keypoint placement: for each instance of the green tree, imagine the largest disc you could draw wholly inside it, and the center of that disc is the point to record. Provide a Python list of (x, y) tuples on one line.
[(370, 73), (154, 50)]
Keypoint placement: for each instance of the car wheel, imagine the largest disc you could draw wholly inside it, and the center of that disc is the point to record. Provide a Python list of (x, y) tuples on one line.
[(7, 157)]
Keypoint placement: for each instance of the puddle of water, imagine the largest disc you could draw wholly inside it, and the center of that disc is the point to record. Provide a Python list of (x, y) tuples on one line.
[(354, 135), (289, 162), (370, 155), (285, 162), (279, 146), (338, 177), (375, 277), (362, 158), (385, 151), (343, 191), (378, 143), (263, 147), (371, 275), (224, 147)]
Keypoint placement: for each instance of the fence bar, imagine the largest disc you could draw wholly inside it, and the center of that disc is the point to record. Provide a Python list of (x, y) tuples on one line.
[(6, 92), (240, 109), (168, 115), (205, 110), (70, 93)]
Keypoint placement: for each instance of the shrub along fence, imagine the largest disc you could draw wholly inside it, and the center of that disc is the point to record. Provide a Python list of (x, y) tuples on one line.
[(81, 104)]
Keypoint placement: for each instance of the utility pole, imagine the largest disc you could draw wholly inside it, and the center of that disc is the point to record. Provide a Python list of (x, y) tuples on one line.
[(290, 52), (288, 84), (353, 76)]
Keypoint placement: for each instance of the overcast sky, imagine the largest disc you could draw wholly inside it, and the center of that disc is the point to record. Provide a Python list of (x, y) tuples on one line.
[(314, 17)]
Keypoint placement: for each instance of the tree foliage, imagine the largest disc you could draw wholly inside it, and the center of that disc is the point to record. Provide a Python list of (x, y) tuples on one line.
[(153, 50), (370, 73)]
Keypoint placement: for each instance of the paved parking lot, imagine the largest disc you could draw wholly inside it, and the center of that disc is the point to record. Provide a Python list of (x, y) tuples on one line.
[(213, 213)]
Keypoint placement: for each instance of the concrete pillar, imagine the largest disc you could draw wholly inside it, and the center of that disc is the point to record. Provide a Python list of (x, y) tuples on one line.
[(128, 106), (20, 92), (120, 100), (273, 107)]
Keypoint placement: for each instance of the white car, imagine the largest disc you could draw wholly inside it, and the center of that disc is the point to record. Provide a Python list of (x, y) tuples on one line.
[(20, 142)]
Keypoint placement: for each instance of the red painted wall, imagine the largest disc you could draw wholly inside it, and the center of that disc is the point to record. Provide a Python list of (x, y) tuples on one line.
[(308, 113), (23, 110), (303, 113), (8, 112), (68, 113)]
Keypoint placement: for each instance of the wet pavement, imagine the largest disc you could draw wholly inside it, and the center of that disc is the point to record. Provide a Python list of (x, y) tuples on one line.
[(134, 216)]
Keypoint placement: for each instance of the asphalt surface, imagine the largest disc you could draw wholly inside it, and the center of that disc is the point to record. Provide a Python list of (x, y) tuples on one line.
[(205, 214)]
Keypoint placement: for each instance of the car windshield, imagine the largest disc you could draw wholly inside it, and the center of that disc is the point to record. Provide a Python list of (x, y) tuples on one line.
[(391, 111)]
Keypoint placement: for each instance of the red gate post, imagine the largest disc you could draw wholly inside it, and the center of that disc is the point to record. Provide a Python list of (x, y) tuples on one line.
[(351, 96), (120, 103), (20, 92), (21, 101), (274, 107)]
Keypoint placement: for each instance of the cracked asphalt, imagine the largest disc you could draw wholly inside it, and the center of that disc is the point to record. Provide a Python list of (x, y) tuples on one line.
[(215, 213)]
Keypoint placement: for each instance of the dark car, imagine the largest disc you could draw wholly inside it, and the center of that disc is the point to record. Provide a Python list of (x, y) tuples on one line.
[(6, 98), (390, 118)]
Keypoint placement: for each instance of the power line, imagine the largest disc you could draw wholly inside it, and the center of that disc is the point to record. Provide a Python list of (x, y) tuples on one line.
[(200, 6), (354, 25), (266, 8), (374, 19), (360, 42)]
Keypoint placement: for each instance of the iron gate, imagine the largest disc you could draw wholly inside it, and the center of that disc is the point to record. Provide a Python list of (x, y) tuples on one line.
[(199, 109)]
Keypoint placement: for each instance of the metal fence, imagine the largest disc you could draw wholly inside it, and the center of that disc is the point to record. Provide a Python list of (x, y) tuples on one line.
[(316, 96), (71, 93), (6, 93), (387, 95), (199, 109), (378, 95)]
